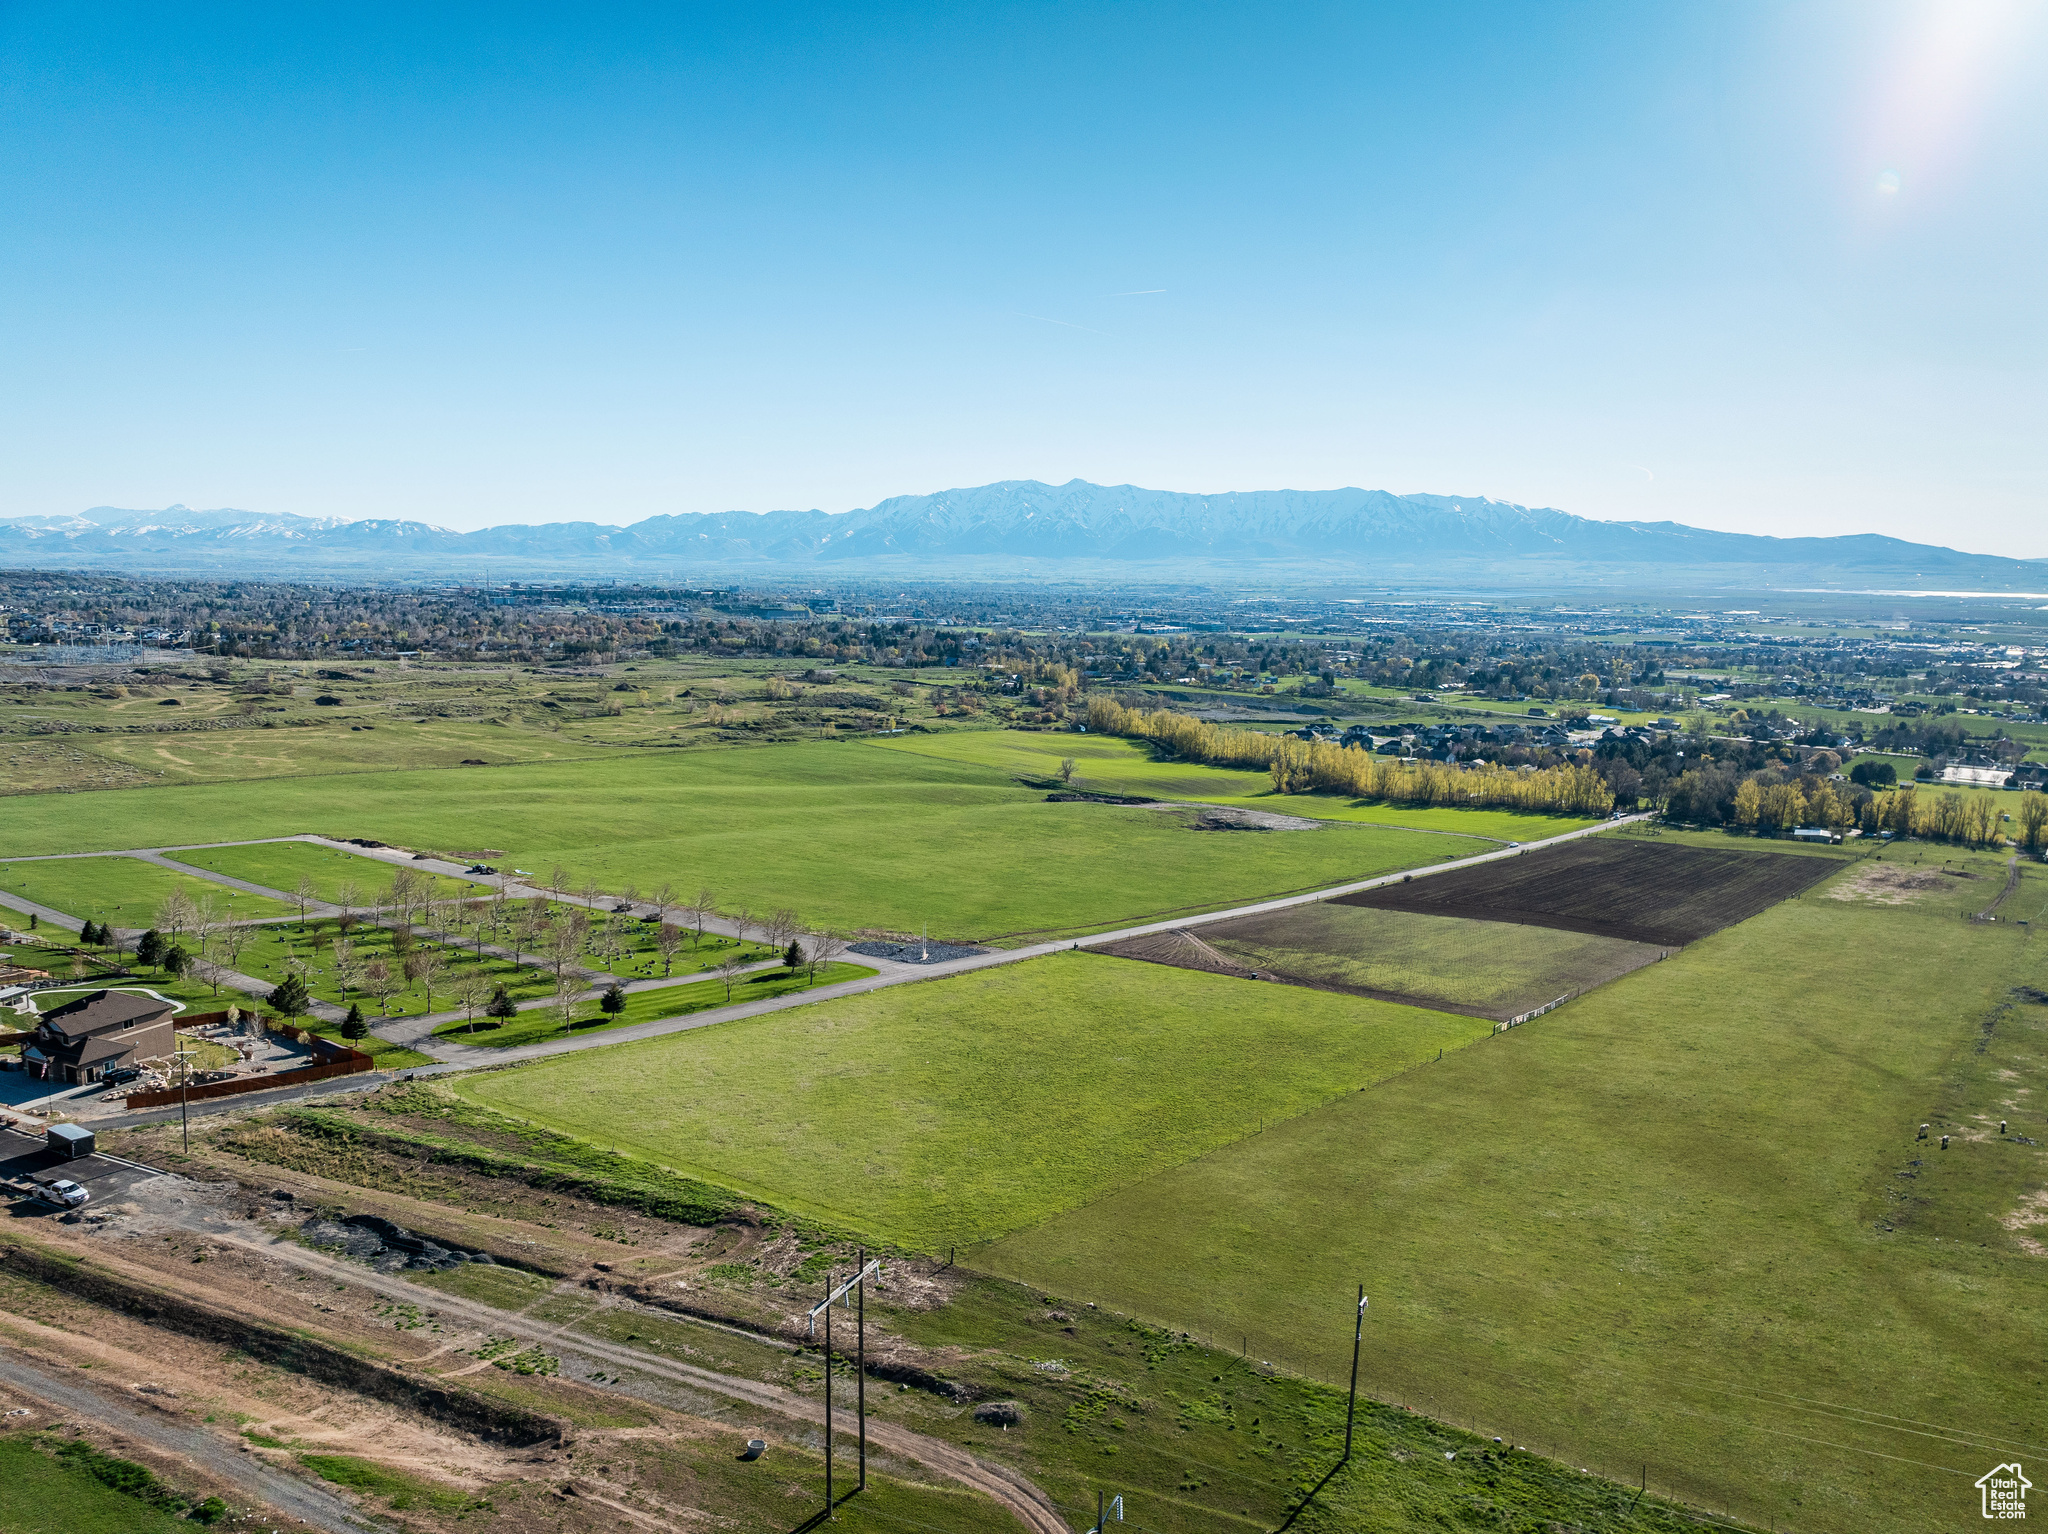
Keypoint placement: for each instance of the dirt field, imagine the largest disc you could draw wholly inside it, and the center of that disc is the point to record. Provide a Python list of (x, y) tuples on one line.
[(1640, 892), (1489, 969)]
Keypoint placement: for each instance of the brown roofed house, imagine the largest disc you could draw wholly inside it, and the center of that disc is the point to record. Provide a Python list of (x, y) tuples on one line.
[(84, 1039)]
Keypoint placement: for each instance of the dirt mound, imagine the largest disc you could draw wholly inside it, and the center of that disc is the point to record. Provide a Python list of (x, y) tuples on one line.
[(1180, 948), (1888, 884)]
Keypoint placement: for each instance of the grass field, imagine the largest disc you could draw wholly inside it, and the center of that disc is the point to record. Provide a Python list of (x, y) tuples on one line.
[(1495, 969), (847, 834), (1683, 1221), (1106, 765), (280, 866), (40, 1496), (961, 1108), (122, 891), (543, 1023)]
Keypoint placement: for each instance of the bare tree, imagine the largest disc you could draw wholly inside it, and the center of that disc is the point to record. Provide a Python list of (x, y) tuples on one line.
[(498, 907), (631, 896), (667, 939), (381, 983), (781, 928), (304, 896), (564, 941), (427, 967), (1066, 769), (559, 880), (590, 894), (823, 950), (472, 991), (348, 964), (564, 999), (701, 910), (347, 897), (174, 914), (663, 898), (729, 969), (742, 919)]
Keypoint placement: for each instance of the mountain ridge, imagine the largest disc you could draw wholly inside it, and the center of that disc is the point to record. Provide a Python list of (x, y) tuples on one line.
[(1018, 526)]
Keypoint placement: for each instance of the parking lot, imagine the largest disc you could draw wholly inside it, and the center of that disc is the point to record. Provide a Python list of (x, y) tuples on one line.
[(24, 1155)]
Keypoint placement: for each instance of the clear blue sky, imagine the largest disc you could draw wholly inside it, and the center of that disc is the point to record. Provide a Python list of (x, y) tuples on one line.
[(1771, 268)]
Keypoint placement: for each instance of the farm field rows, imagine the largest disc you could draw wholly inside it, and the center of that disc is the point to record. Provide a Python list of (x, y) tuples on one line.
[(847, 834), (1572, 1234), (1489, 969), (959, 1109), (1639, 890), (124, 891), (1106, 765)]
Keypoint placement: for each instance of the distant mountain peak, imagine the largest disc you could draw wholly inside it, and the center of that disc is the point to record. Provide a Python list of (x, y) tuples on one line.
[(1006, 530)]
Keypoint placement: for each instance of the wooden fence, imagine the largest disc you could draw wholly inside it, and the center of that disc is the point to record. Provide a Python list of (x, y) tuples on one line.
[(335, 1060)]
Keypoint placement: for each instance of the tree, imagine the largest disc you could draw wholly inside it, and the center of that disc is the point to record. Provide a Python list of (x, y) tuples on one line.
[(174, 914), (427, 966), (381, 983), (2032, 821), (1749, 803), (613, 1001), (303, 897), (1066, 769), (1874, 774), (472, 991), (729, 969), (291, 998), (742, 919), (701, 910), (353, 1027), (564, 999), (149, 948), (667, 939), (825, 948), (559, 880), (346, 898), (89, 934), (663, 898), (502, 1006), (781, 927), (793, 956), (176, 960), (348, 965)]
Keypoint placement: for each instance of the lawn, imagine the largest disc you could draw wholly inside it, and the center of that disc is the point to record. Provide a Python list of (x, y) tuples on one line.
[(958, 1109), (40, 1496), (847, 834), (540, 1024), (1682, 1221), (125, 892), (281, 865), (1105, 765), (265, 959)]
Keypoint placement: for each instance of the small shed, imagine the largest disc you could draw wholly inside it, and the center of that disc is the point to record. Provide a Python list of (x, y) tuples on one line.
[(68, 1141)]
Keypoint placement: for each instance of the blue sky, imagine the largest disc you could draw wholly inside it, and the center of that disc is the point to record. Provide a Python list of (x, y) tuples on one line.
[(1769, 268)]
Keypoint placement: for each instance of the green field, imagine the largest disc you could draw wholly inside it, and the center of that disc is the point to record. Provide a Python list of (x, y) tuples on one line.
[(1495, 968), (122, 891), (1105, 765), (280, 866), (38, 1495), (1684, 1220), (540, 1024), (847, 834), (957, 1109)]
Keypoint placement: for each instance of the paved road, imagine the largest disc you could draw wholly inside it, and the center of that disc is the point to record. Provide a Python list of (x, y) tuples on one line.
[(465, 1057), (67, 1397)]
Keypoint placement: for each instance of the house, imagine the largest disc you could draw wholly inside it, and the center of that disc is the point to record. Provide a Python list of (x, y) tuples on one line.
[(107, 1030)]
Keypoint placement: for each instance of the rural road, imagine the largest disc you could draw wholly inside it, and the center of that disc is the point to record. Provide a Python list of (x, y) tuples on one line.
[(467, 1057), (162, 1431)]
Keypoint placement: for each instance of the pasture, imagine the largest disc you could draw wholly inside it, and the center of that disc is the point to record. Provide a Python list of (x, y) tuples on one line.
[(847, 834), (1640, 890), (40, 1494), (1104, 764), (1682, 1221), (124, 892), (960, 1109), (1486, 969)]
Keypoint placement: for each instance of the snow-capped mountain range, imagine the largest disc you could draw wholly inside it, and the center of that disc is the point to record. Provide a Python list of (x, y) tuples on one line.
[(1013, 528)]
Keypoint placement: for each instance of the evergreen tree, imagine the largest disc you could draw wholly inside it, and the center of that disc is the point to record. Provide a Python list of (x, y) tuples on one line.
[(150, 949), (353, 1026), (502, 1006), (291, 998), (613, 1002), (793, 956)]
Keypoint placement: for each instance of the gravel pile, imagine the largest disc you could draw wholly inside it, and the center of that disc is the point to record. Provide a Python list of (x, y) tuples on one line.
[(915, 953), (386, 1247)]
